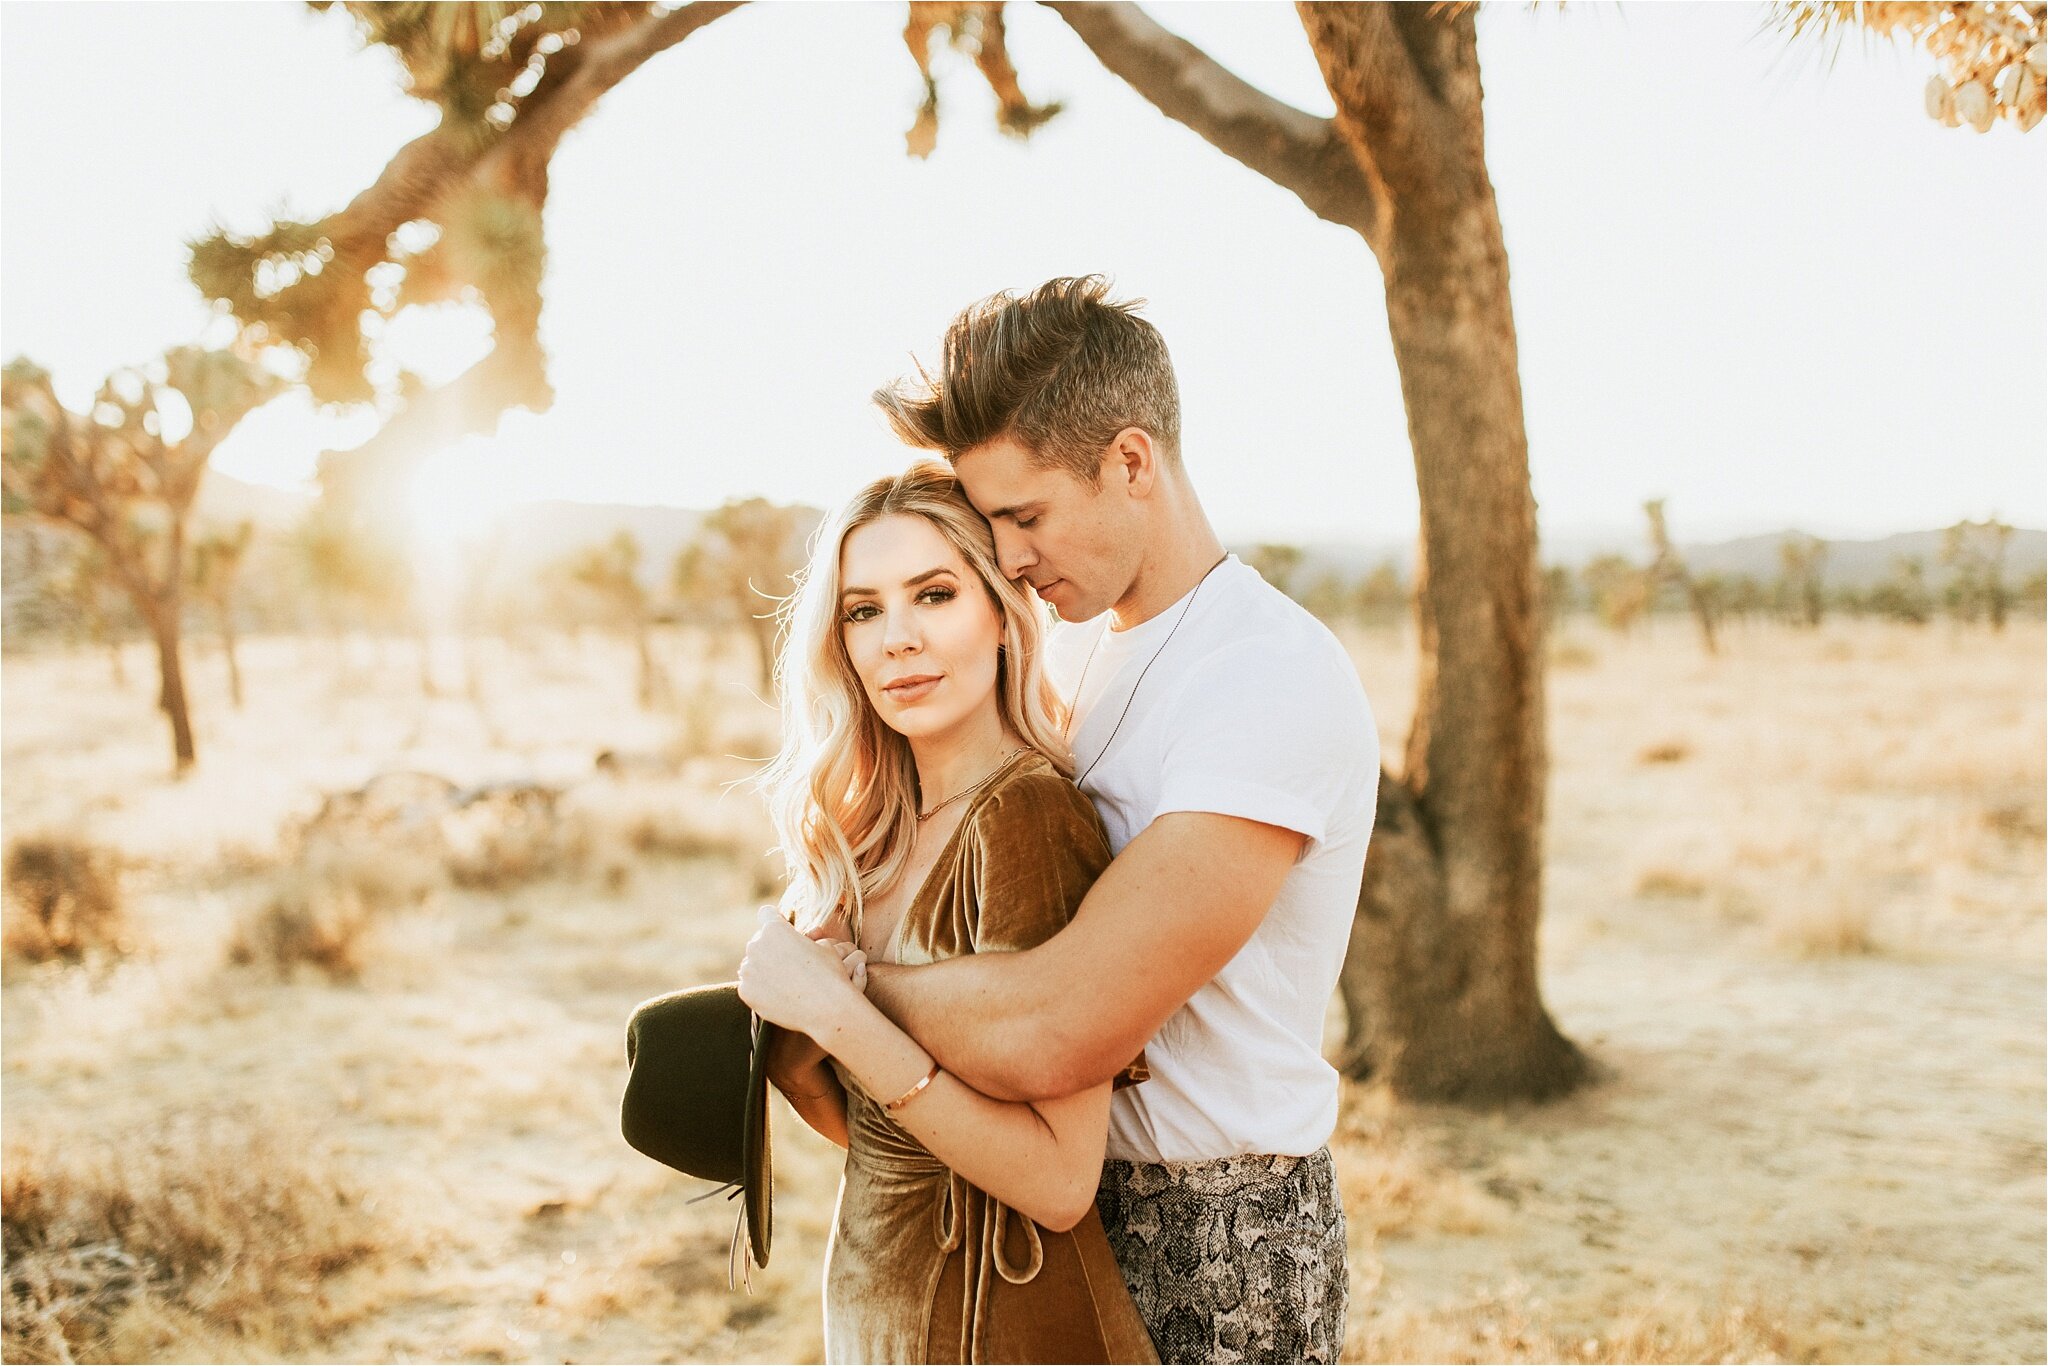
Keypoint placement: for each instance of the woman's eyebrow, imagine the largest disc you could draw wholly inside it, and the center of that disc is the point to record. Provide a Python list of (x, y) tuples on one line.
[(845, 593)]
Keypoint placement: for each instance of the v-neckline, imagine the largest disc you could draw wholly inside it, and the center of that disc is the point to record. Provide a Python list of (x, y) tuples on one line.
[(891, 947)]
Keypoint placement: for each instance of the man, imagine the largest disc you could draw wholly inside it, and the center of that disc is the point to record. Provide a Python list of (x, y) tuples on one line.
[(1223, 735)]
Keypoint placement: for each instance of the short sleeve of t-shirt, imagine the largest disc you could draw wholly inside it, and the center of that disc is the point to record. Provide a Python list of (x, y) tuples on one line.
[(1276, 735)]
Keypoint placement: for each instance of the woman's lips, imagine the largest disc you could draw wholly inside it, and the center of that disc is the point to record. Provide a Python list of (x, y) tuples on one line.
[(911, 690)]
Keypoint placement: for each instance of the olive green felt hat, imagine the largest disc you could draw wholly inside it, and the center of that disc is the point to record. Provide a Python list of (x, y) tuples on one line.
[(697, 1098)]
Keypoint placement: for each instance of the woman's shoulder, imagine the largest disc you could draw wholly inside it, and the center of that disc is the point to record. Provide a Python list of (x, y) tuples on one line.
[(1031, 792)]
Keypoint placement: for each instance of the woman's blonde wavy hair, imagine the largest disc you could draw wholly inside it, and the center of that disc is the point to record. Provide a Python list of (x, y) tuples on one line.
[(843, 788)]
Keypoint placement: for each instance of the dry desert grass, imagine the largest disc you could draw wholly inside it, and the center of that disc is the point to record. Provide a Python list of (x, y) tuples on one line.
[(354, 1096)]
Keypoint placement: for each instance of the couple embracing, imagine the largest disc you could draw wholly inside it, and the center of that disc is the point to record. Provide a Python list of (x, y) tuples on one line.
[(1068, 900)]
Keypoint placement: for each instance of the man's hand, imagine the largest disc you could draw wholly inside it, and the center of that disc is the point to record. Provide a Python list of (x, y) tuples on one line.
[(1169, 912)]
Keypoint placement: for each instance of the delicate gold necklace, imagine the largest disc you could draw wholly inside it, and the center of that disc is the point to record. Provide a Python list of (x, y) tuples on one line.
[(924, 816)]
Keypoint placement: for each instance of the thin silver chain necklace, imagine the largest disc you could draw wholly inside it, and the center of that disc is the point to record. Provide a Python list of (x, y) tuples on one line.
[(1103, 753)]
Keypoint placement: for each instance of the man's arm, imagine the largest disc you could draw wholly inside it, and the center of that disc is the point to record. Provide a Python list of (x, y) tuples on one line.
[(1169, 912)]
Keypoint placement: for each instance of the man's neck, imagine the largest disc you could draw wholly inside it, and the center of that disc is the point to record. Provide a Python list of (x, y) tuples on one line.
[(1184, 548)]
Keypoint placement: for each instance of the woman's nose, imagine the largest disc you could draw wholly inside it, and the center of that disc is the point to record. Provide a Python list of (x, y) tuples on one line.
[(899, 636)]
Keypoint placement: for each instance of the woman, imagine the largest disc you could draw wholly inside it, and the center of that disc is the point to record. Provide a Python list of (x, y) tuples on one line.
[(923, 800)]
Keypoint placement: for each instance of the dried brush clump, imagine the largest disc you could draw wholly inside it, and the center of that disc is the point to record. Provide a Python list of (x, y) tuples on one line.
[(63, 900), (1830, 927), (206, 1227), (328, 910), (1510, 1325), (518, 837)]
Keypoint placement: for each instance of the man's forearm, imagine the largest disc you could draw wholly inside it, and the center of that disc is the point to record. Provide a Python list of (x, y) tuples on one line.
[(981, 1015)]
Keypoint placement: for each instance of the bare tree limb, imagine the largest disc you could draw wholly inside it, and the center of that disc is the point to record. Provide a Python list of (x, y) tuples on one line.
[(1295, 150), (1387, 72), (604, 64), (516, 163)]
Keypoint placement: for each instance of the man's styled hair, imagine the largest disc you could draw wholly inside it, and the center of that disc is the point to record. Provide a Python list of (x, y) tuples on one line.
[(1060, 370)]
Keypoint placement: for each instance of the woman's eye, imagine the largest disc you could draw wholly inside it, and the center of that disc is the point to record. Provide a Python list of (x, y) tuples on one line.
[(936, 595), (860, 611)]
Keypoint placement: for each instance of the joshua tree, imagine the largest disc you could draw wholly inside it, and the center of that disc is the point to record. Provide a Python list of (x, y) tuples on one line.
[(1803, 562), (1976, 552), (744, 559), (86, 589), (1619, 588), (1440, 984), (610, 574), (216, 566), (1668, 566), (1277, 565), (1904, 595), (126, 473)]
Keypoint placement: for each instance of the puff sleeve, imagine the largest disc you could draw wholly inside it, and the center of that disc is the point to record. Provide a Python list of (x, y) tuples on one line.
[(1038, 846)]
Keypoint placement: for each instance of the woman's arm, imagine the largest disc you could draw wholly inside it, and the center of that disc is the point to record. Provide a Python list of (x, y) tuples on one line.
[(1044, 1160), (799, 1069)]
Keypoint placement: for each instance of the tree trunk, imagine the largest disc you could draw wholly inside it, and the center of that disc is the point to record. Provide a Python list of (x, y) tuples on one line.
[(163, 625), (762, 629), (1440, 979), (1703, 612), (227, 643), (1440, 976)]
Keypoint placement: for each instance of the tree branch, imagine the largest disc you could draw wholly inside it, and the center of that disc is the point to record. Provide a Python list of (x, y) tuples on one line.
[(604, 64), (1379, 72), (474, 401), (1295, 150)]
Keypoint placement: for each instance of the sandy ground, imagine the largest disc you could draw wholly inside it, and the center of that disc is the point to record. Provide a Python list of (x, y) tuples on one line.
[(1795, 913)]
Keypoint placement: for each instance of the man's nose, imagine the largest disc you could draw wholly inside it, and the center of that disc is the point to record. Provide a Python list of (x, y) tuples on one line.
[(1013, 554)]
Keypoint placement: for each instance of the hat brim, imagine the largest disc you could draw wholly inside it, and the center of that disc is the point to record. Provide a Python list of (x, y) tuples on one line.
[(697, 1096), (758, 1184)]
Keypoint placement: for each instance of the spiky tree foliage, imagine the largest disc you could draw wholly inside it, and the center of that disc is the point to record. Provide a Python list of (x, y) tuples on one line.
[(456, 214), (1277, 564), (610, 574), (216, 568), (119, 475), (1990, 54), (1802, 564), (976, 28), (1703, 595), (744, 560), (1976, 552), (1904, 596), (1619, 588), (88, 594)]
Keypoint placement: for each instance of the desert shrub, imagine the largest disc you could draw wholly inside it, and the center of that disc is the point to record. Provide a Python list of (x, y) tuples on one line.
[(1668, 882), (1667, 752), (64, 900), (194, 1228), (1831, 927), (515, 837), (326, 911), (1568, 653)]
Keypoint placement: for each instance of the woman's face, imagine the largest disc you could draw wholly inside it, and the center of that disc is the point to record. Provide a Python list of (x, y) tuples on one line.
[(918, 626)]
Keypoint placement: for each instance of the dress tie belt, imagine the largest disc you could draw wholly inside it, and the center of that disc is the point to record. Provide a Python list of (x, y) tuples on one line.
[(950, 1216)]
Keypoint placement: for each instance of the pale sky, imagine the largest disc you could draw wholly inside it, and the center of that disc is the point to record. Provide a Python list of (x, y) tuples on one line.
[(1775, 293)]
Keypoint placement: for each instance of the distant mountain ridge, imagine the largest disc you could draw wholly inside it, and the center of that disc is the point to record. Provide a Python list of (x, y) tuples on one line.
[(537, 533)]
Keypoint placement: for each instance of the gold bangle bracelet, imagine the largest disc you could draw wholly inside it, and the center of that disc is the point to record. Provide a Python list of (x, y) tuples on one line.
[(911, 1094)]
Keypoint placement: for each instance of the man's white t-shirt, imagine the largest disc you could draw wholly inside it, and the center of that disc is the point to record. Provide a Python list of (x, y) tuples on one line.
[(1251, 709)]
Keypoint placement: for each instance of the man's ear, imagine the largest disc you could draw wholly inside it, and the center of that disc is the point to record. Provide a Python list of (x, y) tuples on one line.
[(1133, 461)]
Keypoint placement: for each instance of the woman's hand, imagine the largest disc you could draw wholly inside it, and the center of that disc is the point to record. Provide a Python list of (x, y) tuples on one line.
[(798, 983)]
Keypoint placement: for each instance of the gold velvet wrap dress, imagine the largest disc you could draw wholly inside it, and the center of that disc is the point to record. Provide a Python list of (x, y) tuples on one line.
[(924, 1266)]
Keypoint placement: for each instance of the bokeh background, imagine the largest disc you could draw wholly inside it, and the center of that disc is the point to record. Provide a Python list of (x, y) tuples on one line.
[(382, 682)]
